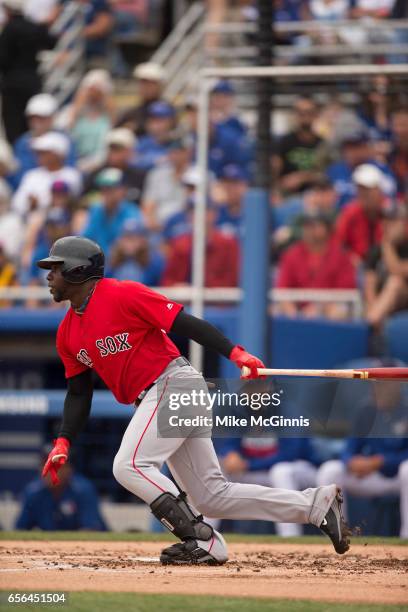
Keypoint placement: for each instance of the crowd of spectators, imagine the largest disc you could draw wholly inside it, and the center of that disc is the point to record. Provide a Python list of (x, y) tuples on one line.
[(127, 178)]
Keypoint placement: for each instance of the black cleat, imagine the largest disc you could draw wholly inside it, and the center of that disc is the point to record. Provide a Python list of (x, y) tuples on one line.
[(336, 527), (187, 553)]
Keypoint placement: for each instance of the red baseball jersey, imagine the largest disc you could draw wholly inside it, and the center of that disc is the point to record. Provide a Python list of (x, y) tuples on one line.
[(122, 335)]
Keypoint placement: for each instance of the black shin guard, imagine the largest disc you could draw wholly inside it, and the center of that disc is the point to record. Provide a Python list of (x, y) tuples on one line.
[(176, 515)]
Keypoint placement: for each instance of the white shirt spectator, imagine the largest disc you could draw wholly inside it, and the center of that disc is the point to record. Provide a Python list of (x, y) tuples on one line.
[(375, 5), (11, 226), (165, 191), (329, 9), (39, 11), (35, 188)]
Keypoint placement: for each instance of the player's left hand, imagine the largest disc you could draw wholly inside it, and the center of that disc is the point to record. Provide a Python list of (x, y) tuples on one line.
[(243, 359), (56, 459)]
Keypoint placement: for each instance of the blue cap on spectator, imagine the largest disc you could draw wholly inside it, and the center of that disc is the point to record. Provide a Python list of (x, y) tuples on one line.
[(57, 216), (110, 177), (135, 227), (223, 87), (161, 109), (60, 186), (233, 172)]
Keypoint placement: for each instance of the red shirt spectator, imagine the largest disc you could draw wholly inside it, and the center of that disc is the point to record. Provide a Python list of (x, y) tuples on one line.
[(221, 261), (316, 261), (359, 225), (356, 230), (303, 268)]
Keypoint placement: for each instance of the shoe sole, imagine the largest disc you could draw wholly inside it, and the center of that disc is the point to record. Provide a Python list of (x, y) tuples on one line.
[(344, 544), (204, 561)]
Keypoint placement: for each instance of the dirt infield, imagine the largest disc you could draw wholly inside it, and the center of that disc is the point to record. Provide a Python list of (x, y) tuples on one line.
[(371, 574)]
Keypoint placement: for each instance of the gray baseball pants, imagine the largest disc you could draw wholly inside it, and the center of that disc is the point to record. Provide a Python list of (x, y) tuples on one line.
[(195, 467)]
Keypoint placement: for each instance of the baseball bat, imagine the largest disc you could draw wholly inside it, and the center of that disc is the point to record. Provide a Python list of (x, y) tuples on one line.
[(367, 374)]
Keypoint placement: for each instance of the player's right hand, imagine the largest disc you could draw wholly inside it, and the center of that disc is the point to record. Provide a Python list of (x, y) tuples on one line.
[(56, 459), (243, 359)]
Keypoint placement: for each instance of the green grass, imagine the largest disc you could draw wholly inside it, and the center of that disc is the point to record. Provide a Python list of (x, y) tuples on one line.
[(107, 536), (132, 602)]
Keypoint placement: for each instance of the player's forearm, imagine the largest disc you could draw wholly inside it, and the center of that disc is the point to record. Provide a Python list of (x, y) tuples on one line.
[(202, 332), (75, 415), (77, 405)]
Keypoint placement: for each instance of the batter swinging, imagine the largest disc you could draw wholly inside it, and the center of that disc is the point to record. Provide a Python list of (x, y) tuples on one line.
[(119, 329)]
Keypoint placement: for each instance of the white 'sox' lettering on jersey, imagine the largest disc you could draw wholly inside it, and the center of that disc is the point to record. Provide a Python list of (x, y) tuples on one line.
[(84, 358), (110, 345)]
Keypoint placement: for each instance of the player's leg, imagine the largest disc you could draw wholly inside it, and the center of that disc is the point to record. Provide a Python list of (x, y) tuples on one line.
[(137, 467), (196, 468), (403, 485), (296, 475), (141, 455)]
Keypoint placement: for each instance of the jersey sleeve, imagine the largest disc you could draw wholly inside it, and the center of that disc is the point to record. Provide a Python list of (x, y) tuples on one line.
[(154, 308), (71, 364)]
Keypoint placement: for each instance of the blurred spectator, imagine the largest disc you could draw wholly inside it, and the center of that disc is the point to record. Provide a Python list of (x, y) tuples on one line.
[(90, 117), (164, 193), (359, 225), (62, 200), (376, 109), (315, 262), (296, 159), (106, 218), (70, 505), (329, 10), (40, 11), (225, 146), (150, 77), (40, 112), (8, 165), (7, 274), (234, 185), (34, 191), (57, 224), (153, 146), (133, 258), (11, 225), (355, 151), (223, 111), (375, 463), (121, 144), (99, 22), (399, 153), (268, 461), (379, 9), (221, 260), (180, 223), (320, 197), (20, 42), (386, 271)]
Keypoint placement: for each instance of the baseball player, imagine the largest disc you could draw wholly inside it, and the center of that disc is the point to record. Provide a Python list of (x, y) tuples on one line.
[(119, 329)]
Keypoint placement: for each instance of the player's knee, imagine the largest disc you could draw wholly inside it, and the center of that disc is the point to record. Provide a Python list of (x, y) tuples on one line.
[(403, 472), (119, 469), (330, 472)]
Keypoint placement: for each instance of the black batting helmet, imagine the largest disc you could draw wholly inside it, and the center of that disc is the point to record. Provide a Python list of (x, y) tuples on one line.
[(80, 259)]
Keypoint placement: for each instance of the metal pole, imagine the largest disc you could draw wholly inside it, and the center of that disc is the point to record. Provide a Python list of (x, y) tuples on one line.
[(301, 72), (199, 229), (254, 320)]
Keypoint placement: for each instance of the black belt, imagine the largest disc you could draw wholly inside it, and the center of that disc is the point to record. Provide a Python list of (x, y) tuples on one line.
[(179, 361)]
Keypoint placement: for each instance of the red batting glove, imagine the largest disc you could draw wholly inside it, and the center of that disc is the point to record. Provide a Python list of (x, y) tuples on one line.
[(56, 459), (241, 358)]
